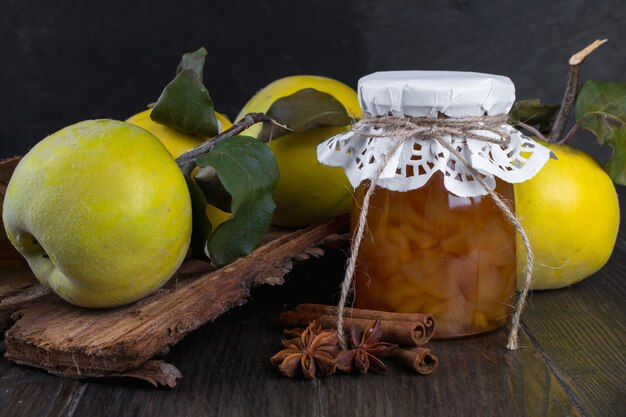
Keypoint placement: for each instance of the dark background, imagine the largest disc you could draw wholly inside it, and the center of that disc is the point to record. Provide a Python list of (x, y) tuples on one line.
[(66, 61)]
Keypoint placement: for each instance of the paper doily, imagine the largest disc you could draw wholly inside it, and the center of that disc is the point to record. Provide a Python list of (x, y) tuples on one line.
[(415, 161)]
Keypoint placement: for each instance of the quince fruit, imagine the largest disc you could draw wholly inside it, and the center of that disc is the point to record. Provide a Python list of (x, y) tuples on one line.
[(101, 212), (307, 191), (178, 143), (571, 214)]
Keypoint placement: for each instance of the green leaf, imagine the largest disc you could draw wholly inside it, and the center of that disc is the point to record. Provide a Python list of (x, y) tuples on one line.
[(185, 104), (193, 61), (201, 226), (601, 109), (535, 113), (304, 110), (213, 189), (248, 171)]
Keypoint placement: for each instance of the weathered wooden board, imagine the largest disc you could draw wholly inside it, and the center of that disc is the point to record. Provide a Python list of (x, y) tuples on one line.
[(71, 341), (17, 288)]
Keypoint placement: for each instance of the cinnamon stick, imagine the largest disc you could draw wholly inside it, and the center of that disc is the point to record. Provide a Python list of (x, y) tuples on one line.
[(424, 324), (411, 329), (362, 313), (420, 359)]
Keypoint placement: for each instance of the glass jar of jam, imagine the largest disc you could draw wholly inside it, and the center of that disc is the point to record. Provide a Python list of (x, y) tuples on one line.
[(435, 241), (429, 251)]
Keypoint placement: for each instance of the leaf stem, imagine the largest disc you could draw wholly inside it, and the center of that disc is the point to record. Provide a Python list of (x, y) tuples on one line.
[(569, 135), (532, 130), (185, 161), (572, 89)]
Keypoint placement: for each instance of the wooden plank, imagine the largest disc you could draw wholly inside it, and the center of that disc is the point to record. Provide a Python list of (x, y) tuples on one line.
[(18, 287), (71, 341), (580, 331), (33, 393)]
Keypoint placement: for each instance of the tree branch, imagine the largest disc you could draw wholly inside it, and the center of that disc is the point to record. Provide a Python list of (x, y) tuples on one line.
[(185, 161)]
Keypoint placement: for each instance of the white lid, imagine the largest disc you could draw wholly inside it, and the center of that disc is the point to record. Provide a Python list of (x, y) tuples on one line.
[(425, 93)]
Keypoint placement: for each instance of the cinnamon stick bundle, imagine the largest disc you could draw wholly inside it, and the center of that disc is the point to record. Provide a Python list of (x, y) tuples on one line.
[(362, 313), (398, 328), (420, 359)]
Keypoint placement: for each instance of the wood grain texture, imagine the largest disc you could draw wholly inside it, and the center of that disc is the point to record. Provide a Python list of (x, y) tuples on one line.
[(18, 287)]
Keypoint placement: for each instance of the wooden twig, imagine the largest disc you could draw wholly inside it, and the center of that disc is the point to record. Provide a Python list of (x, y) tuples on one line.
[(571, 90)]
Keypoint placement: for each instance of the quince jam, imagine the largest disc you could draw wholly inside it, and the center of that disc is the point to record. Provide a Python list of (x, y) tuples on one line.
[(429, 251)]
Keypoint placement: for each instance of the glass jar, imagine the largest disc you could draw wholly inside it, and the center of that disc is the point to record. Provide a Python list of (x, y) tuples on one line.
[(429, 251), (435, 240)]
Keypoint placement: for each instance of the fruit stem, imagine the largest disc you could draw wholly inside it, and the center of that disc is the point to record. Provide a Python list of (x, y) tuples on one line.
[(186, 160), (572, 89), (566, 105), (532, 130)]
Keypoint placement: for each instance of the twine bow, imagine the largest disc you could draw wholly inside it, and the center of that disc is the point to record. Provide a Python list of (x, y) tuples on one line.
[(434, 128), (401, 129)]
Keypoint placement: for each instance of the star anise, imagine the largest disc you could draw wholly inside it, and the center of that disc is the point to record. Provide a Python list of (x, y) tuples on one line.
[(314, 350), (366, 351), (297, 331)]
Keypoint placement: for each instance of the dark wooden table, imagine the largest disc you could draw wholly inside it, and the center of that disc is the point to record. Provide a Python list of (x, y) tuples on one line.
[(571, 363)]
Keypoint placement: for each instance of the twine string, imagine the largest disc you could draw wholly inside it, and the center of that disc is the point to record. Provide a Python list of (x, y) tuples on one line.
[(346, 285), (429, 128), (402, 129)]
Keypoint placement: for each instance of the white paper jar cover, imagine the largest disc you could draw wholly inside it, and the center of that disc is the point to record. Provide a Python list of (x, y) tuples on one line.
[(426, 94)]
